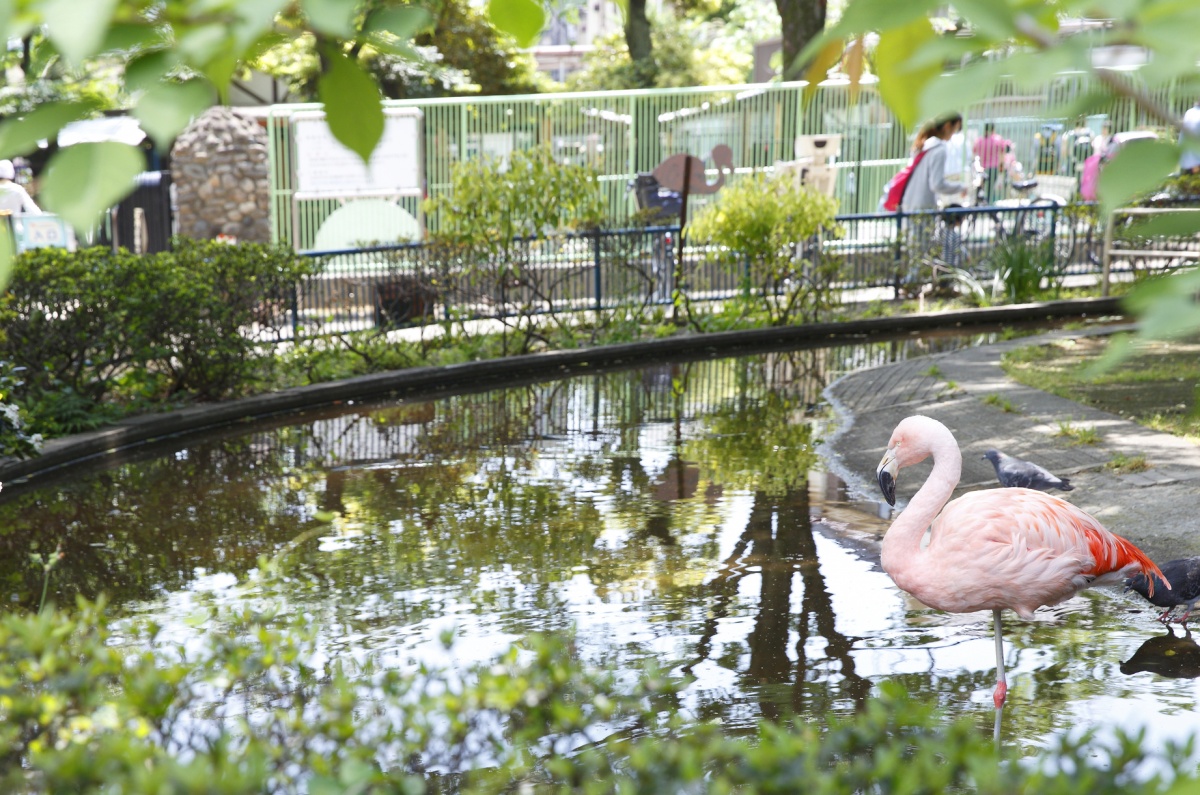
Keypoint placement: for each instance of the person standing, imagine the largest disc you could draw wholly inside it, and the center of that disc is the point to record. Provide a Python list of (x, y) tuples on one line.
[(928, 179), (1189, 139), (13, 197), (991, 149), (926, 182)]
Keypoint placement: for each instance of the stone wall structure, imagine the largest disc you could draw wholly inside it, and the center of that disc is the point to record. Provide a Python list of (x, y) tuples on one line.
[(219, 165)]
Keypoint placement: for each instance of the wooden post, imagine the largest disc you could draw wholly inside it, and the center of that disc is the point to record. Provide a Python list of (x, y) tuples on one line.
[(1106, 255), (677, 276)]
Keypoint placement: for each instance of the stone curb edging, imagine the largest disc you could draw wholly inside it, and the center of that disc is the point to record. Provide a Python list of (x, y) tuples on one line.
[(474, 376)]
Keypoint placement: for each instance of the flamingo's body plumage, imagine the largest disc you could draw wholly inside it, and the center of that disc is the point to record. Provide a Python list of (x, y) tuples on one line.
[(1011, 548)]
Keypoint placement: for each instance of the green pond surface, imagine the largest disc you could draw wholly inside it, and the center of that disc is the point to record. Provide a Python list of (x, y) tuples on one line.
[(678, 512)]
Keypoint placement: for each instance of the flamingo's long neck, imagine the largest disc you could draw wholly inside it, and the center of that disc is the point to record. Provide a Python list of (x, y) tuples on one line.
[(902, 542)]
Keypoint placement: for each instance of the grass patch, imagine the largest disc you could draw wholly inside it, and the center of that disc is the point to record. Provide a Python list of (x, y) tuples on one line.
[(1122, 464), (1077, 434), (934, 371), (1002, 403), (1156, 386)]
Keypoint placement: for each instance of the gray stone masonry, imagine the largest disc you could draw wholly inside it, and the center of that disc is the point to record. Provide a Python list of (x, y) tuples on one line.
[(220, 172)]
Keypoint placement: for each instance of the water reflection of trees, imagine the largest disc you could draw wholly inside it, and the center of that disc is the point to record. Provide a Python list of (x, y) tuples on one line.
[(766, 446), (488, 505), (135, 531)]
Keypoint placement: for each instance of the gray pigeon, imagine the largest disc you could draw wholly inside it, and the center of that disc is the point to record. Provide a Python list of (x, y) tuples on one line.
[(1184, 576), (1026, 474)]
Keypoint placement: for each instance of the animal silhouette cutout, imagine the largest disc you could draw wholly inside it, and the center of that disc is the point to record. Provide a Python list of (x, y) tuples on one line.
[(670, 172)]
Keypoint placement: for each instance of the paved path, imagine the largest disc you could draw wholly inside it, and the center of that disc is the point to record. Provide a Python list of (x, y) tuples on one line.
[(1158, 509)]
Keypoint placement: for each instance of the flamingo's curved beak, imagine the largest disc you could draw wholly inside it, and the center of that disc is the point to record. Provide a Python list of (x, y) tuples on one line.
[(886, 472)]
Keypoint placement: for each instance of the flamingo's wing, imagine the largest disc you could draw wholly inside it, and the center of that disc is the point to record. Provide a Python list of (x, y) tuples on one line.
[(1042, 539)]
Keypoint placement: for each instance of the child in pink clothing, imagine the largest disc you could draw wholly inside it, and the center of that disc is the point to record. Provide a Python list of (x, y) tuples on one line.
[(991, 149)]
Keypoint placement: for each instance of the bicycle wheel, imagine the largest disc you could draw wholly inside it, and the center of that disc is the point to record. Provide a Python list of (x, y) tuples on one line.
[(1041, 221)]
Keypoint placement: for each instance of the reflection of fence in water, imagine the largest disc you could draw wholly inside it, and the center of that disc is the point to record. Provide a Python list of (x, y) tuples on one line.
[(578, 410)]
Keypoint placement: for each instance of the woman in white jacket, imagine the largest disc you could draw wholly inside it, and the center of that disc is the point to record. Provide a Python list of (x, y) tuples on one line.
[(928, 179), (926, 182)]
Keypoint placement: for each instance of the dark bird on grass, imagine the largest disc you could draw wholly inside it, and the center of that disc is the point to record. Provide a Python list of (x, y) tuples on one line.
[(1184, 576), (1013, 472)]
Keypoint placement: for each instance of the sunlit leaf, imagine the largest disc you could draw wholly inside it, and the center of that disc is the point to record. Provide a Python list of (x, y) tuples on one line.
[(403, 22), (333, 17), (862, 16), (7, 8), (856, 64), (21, 135), (352, 106), (6, 255), (989, 18), (1171, 223), (1139, 166), (899, 84), (522, 19), (84, 180), (146, 71), (167, 108), (959, 90), (1167, 310), (1029, 70), (1086, 104), (826, 59), (865, 16), (131, 38), (77, 28)]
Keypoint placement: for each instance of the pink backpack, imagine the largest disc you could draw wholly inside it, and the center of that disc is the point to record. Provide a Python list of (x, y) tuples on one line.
[(894, 192), (1089, 177)]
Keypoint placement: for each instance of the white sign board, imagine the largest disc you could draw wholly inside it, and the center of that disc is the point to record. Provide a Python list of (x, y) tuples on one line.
[(41, 231), (324, 167)]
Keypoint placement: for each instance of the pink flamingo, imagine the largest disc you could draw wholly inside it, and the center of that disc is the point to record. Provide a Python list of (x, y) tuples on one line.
[(1001, 548)]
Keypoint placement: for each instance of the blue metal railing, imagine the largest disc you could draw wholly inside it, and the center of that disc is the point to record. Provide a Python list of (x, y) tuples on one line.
[(416, 283)]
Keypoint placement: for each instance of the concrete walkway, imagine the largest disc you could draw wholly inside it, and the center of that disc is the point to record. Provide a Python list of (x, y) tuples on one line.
[(1158, 509)]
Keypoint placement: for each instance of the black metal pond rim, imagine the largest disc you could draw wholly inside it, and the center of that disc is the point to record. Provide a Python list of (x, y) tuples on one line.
[(431, 382)]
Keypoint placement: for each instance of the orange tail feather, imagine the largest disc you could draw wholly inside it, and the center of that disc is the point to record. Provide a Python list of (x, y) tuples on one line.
[(1127, 553)]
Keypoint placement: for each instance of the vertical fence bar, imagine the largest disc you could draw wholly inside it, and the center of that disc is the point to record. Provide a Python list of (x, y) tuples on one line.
[(596, 266)]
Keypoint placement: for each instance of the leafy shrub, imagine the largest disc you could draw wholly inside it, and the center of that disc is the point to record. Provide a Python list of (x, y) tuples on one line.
[(219, 292), (1023, 266), (491, 228), (96, 326), (490, 203), (15, 439), (762, 227), (243, 707)]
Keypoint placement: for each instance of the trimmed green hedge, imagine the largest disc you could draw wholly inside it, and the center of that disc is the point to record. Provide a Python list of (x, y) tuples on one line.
[(93, 327)]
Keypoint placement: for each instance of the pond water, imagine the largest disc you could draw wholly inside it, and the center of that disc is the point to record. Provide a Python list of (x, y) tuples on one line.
[(678, 512)]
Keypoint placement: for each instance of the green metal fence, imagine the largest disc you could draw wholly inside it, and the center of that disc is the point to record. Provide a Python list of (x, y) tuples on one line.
[(621, 133)]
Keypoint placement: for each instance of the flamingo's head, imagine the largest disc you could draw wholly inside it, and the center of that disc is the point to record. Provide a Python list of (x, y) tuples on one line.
[(909, 445)]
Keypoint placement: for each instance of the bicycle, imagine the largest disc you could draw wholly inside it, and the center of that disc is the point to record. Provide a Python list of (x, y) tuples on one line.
[(1036, 220)]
